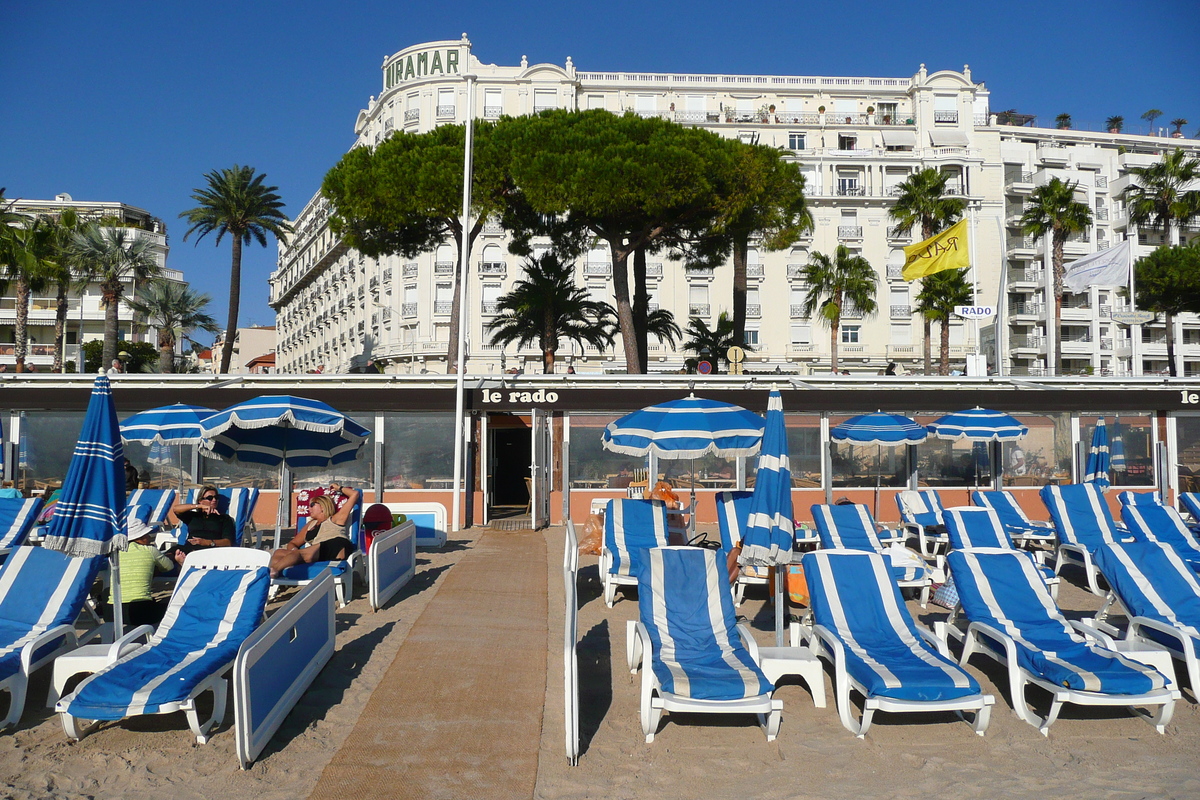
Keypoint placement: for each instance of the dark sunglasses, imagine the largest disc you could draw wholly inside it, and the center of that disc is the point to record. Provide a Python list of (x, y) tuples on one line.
[(209, 497)]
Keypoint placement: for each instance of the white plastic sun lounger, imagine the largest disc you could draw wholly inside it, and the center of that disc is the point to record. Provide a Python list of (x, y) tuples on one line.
[(630, 526)]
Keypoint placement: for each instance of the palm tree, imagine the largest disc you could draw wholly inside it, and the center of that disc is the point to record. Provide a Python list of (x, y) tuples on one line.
[(1114, 124), (661, 324), (547, 307), (838, 284), (110, 256), (1157, 197), (715, 341), (175, 310), (27, 256), (1150, 116), (1178, 122), (1053, 210), (63, 275), (236, 202), (1062, 121), (922, 201), (939, 294)]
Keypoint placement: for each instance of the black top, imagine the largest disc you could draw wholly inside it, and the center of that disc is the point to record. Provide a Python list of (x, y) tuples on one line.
[(131, 477), (208, 526)]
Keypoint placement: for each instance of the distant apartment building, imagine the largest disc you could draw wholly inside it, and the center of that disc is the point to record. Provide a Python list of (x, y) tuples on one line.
[(85, 314), (253, 351), (856, 140)]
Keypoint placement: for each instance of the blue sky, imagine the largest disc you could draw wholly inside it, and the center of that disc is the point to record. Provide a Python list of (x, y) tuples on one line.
[(135, 102)]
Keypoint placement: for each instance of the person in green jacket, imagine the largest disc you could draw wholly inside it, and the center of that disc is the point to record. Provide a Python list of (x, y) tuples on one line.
[(138, 565)]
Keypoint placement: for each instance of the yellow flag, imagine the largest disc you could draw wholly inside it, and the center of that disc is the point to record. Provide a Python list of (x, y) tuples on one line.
[(947, 250)]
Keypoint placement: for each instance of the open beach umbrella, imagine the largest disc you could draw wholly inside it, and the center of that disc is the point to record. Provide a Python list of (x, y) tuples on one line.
[(283, 431), (689, 428), (1098, 461), (980, 425), (89, 518), (177, 424), (882, 430), (770, 532)]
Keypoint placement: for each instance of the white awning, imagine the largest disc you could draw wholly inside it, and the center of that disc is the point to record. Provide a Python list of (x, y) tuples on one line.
[(948, 138), (898, 138)]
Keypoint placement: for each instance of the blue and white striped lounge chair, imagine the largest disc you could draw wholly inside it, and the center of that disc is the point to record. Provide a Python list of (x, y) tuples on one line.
[(861, 625), (1014, 620), (630, 526), (1083, 523), (41, 593), (343, 571), (700, 659), (1191, 504), (921, 515), (850, 527), (159, 500), (1140, 499), (733, 511), (217, 603), (1020, 527), (1163, 525), (1160, 595), (17, 518), (238, 502), (981, 527)]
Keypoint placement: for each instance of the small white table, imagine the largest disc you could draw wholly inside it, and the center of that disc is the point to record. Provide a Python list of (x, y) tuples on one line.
[(87, 659), (776, 662), (1161, 660)]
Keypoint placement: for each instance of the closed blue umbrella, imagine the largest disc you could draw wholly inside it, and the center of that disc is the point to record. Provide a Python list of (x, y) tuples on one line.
[(283, 431), (770, 532), (89, 518), (1098, 461)]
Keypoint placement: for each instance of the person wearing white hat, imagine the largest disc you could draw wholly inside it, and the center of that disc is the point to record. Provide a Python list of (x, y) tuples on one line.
[(138, 565)]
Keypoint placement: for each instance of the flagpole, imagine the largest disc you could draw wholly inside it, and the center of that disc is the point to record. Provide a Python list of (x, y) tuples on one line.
[(972, 211), (1135, 356), (463, 256)]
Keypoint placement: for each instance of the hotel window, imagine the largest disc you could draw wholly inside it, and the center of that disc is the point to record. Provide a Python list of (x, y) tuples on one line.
[(596, 101), (845, 110), (647, 104), (745, 110), (698, 300), (493, 103), (850, 334), (796, 141), (753, 303), (752, 337), (445, 103), (490, 296), (544, 99), (957, 334), (945, 108), (799, 295), (846, 142), (441, 333), (801, 334), (901, 333), (443, 298)]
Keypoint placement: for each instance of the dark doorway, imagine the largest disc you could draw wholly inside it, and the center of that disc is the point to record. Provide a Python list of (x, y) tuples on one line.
[(511, 450)]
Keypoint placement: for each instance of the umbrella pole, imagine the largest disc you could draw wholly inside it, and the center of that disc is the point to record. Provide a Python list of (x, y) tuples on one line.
[(780, 602), (114, 572), (279, 509)]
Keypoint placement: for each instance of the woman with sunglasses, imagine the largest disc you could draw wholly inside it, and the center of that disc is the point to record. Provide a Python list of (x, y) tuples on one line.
[(324, 537), (206, 525)]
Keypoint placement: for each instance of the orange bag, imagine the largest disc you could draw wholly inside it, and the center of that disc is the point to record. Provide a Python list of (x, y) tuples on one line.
[(663, 491), (797, 586), (593, 536)]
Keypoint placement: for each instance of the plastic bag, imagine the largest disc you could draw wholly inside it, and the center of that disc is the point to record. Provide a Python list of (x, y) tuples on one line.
[(593, 536), (797, 585), (663, 491)]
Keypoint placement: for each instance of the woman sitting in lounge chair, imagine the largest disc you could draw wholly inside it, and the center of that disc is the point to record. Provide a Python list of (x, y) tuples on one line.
[(206, 525), (324, 537)]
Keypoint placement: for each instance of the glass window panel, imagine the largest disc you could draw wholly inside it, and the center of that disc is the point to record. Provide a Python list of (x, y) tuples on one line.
[(590, 463), (47, 443), (1043, 456), (804, 449), (944, 462), (418, 447), (1187, 445), (866, 464), (1137, 441)]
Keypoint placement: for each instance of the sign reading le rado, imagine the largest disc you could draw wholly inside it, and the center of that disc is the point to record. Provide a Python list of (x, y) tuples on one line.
[(441, 61)]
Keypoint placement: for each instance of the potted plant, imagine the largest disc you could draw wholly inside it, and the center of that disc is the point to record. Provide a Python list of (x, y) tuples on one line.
[(1063, 122), (1150, 116), (1114, 124), (1178, 123)]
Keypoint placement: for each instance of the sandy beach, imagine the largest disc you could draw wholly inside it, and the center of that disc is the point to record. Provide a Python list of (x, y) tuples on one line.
[(1089, 753)]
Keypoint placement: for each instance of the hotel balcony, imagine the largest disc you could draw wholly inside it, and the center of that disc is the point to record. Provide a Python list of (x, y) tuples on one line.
[(850, 232), (412, 116), (597, 268), (949, 117), (1052, 154), (699, 309), (443, 307), (492, 268), (654, 269), (1035, 342), (1026, 276), (753, 271), (489, 309), (753, 311), (1026, 309), (409, 270), (802, 350), (1021, 247), (901, 311), (445, 112), (492, 112), (904, 351), (797, 311), (443, 268), (1019, 184)]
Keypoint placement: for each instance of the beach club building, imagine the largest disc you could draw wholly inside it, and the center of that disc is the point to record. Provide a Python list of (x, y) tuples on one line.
[(855, 138), (534, 454)]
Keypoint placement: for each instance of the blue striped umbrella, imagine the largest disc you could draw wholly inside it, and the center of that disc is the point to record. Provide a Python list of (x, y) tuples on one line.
[(978, 425), (160, 454), (880, 429), (1098, 461), (87, 519), (283, 430), (177, 424), (689, 428)]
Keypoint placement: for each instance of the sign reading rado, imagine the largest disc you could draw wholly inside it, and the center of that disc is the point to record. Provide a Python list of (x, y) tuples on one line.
[(540, 396), (419, 65)]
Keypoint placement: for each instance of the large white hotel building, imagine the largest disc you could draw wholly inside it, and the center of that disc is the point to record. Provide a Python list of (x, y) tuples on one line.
[(855, 138)]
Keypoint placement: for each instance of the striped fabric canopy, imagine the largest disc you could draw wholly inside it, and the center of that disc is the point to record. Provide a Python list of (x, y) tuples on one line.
[(1098, 460), (879, 428), (978, 425), (689, 428), (769, 530), (176, 424), (87, 520), (273, 430)]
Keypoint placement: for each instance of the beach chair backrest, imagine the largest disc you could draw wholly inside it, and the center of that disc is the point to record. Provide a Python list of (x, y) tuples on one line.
[(685, 603), (17, 518), (159, 500), (853, 595), (1005, 588), (846, 527), (353, 525), (1160, 523), (1191, 504), (1080, 515), (733, 511), (630, 527), (42, 588), (975, 527), (1140, 498), (1152, 581), (923, 506), (1011, 514)]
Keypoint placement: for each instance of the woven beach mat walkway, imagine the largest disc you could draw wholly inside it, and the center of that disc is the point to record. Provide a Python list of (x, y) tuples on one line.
[(459, 712)]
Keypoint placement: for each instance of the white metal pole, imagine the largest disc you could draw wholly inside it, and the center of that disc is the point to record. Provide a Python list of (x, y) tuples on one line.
[(463, 256), (974, 277)]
